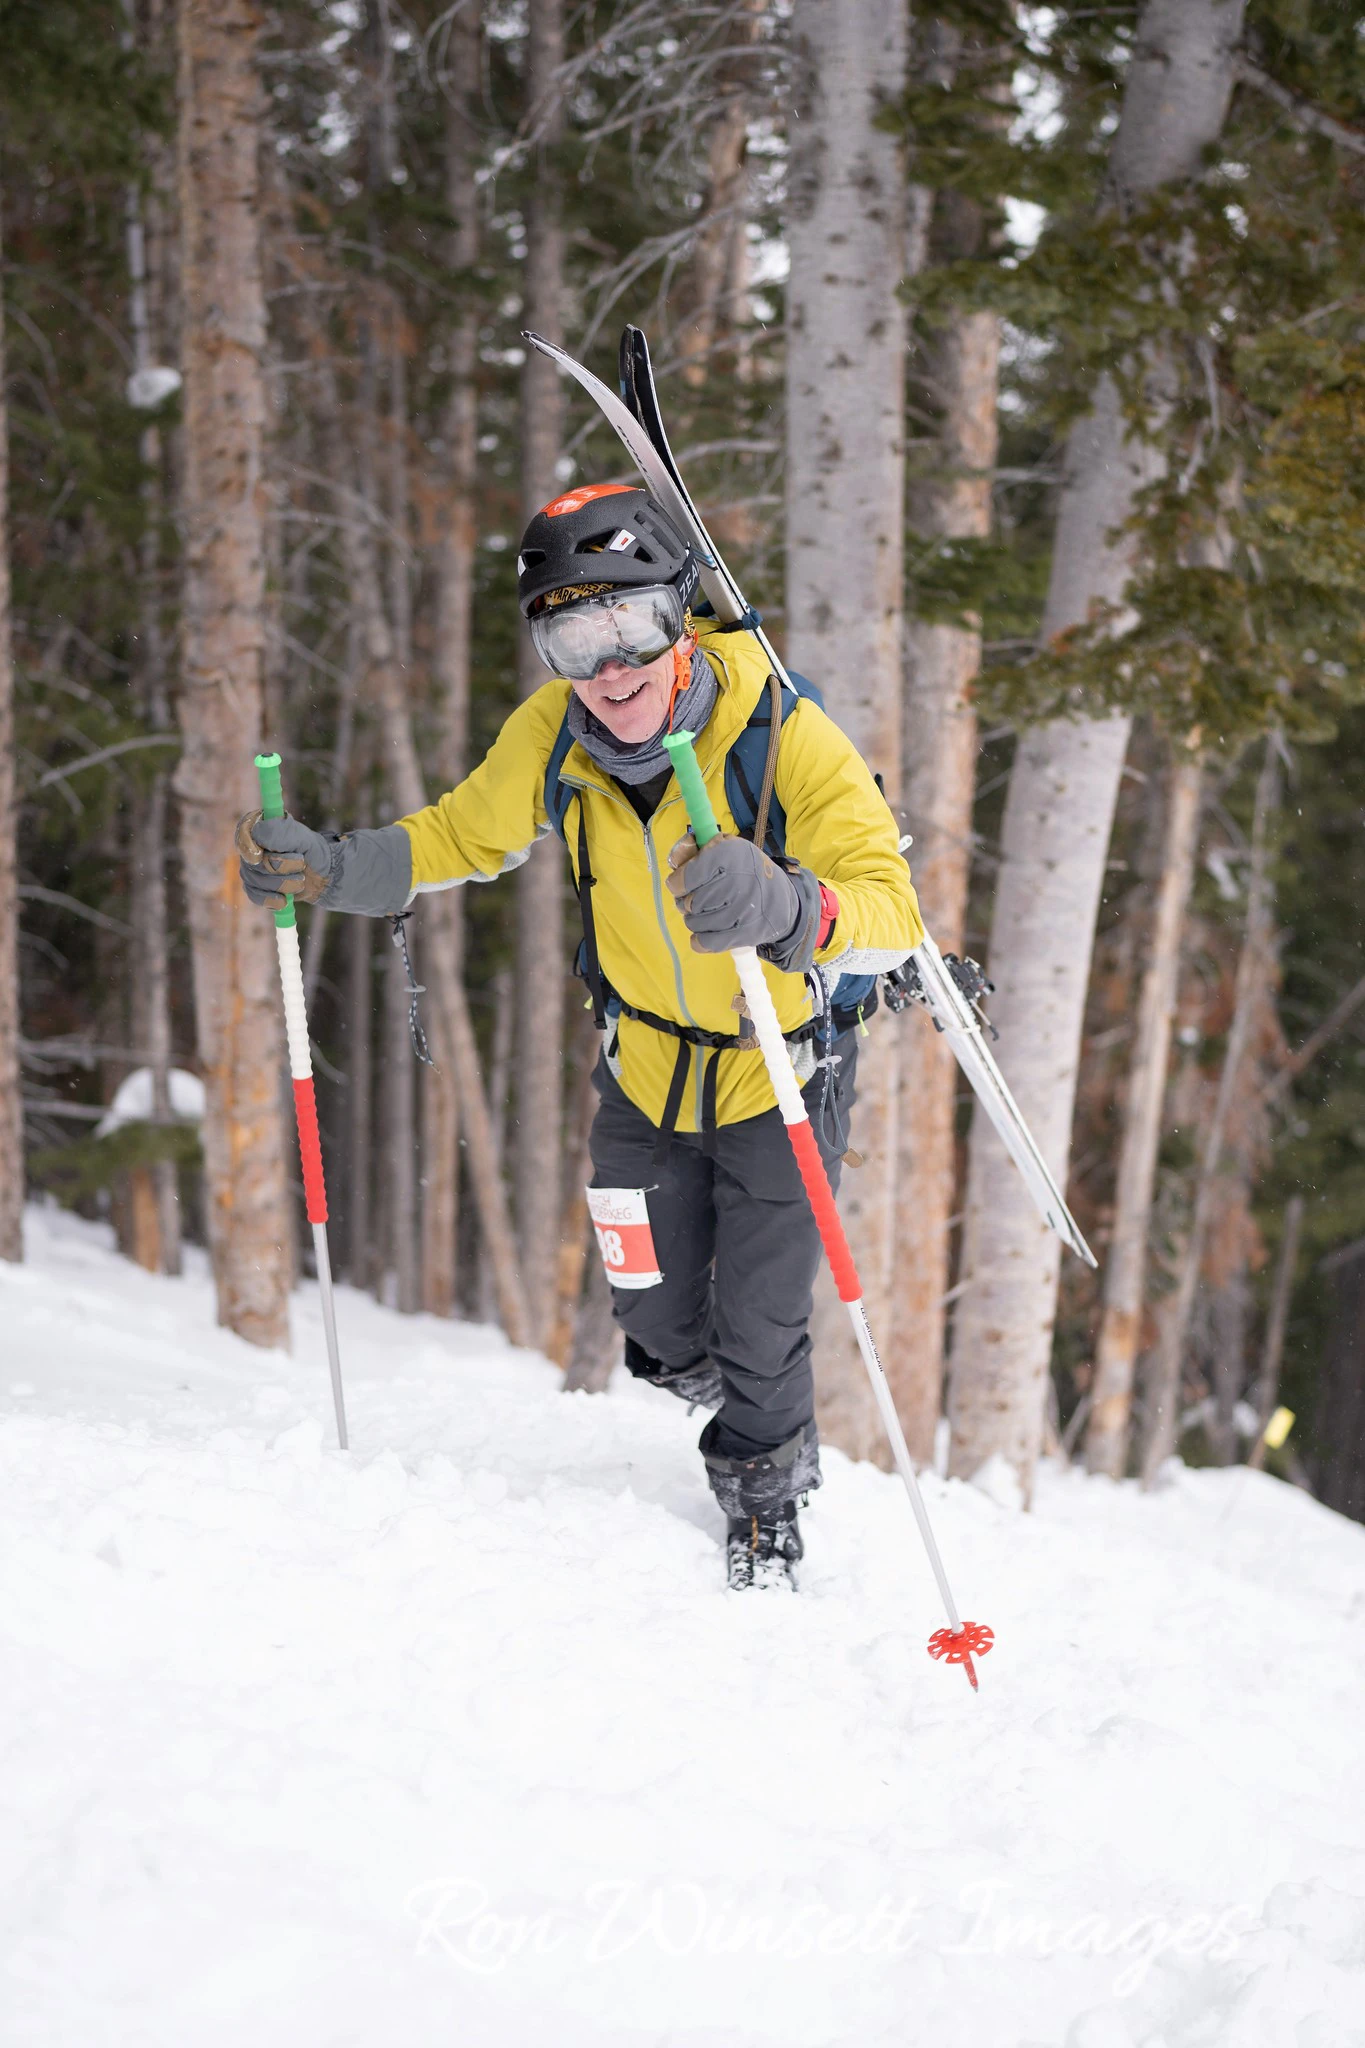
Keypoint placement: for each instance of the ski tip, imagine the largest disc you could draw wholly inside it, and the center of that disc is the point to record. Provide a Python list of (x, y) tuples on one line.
[(538, 341), (1069, 1231)]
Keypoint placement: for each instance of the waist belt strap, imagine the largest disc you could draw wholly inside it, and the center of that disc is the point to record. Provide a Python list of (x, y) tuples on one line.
[(720, 1041), (708, 1105), (668, 1123)]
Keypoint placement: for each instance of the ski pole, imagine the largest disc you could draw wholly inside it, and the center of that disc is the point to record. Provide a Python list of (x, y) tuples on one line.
[(960, 1640), (305, 1101)]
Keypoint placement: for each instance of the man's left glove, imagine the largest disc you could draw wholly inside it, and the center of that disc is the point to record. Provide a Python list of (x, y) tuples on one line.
[(731, 894), (280, 860)]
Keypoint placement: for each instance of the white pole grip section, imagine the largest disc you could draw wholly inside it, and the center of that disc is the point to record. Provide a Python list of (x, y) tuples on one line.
[(776, 1053), (295, 1014)]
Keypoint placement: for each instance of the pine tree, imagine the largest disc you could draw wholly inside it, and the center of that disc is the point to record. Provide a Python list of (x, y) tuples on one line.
[(540, 885), (1062, 792), (11, 1107), (955, 380), (237, 1000), (845, 489)]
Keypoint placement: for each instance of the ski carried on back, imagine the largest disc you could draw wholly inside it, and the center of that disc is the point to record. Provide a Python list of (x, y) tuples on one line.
[(636, 419)]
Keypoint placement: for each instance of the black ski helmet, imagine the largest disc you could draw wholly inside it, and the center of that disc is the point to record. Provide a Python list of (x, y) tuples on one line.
[(603, 536)]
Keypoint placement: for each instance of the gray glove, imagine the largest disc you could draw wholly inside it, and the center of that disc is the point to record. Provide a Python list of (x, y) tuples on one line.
[(280, 860), (731, 894)]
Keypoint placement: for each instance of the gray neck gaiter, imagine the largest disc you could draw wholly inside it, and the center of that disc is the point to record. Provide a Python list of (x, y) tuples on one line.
[(645, 759)]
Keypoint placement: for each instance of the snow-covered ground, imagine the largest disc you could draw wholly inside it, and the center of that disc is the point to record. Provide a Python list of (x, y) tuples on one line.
[(456, 1742)]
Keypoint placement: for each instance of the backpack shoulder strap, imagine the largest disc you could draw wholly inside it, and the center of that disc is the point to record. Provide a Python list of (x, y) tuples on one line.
[(558, 795), (751, 764)]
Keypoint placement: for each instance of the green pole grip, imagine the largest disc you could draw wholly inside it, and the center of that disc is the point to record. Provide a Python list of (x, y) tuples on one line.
[(272, 795), (700, 814), (272, 806)]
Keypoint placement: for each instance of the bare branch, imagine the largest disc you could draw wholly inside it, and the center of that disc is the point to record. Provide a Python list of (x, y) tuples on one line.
[(63, 902), (1315, 1041), (150, 739), (1301, 112)]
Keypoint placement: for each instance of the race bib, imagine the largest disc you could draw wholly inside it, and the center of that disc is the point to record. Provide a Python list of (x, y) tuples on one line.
[(621, 1219)]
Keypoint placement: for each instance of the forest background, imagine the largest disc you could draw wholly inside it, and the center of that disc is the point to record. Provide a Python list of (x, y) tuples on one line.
[(1016, 356)]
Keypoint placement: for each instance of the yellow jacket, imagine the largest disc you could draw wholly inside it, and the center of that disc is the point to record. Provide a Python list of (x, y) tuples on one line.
[(838, 825)]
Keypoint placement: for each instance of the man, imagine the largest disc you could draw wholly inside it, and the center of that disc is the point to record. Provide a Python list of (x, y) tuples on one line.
[(686, 1140)]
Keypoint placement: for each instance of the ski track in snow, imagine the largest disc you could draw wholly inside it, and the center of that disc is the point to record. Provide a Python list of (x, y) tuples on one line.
[(459, 1740)]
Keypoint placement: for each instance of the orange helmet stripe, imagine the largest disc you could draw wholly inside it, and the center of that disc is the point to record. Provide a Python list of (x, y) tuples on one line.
[(573, 501)]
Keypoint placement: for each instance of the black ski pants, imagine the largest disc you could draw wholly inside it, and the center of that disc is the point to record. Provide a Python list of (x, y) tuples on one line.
[(738, 1249)]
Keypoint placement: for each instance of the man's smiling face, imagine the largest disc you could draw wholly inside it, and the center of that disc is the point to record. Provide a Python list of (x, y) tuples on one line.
[(632, 703)]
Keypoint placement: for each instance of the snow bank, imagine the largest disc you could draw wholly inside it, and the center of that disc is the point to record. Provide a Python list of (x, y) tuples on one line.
[(458, 1739)]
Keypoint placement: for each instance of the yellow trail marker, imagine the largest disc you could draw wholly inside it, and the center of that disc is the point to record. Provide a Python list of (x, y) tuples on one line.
[(1278, 1427)]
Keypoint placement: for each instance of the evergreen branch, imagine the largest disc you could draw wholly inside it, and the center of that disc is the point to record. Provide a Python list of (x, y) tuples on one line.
[(1301, 112)]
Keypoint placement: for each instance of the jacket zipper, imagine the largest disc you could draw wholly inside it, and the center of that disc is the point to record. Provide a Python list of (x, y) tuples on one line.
[(655, 884)]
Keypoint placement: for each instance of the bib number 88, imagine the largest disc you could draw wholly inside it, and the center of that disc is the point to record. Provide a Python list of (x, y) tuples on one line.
[(613, 1251), (620, 1217)]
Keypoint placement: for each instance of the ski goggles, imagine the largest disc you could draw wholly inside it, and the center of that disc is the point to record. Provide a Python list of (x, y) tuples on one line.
[(633, 627)]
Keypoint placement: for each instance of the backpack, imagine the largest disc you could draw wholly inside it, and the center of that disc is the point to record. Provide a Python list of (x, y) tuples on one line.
[(854, 996)]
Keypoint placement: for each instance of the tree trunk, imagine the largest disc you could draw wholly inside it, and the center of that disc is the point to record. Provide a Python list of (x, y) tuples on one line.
[(597, 1339), (1229, 1327), (499, 1100), (1272, 1352), (577, 1243), (454, 572), (447, 1011), (360, 1261), (960, 368), (388, 682), (409, 1175), (1060, 808), (236, 988), (452, 1034), (711, 306), (11, 1101), (1125, 1269), (400, 1136), (1339, 1397), (1164, 1391), (151, 1010), (540, 991), (845, 533), (448, 1023)]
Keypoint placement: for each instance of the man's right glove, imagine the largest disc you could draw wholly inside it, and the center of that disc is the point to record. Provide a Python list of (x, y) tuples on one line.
[(731, 894), (280, 860)]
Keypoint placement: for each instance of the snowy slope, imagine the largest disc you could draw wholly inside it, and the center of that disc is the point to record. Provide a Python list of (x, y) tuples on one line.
[(459, 1741)]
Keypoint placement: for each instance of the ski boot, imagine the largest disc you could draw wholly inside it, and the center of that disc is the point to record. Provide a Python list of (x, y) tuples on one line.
[(763, 1553)]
